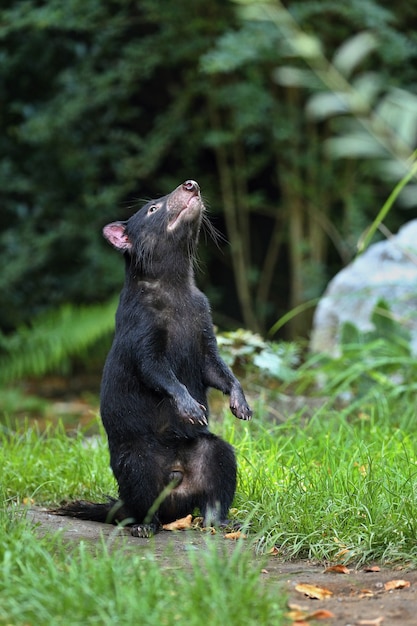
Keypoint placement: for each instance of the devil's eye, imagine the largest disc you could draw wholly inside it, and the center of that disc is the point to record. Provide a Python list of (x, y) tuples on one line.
[(152, 209)]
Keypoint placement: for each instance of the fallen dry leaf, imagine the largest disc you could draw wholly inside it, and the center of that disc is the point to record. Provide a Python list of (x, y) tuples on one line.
[(321, 614), (396, 584), (198, 524), (235, 535), (372, 568), (371, 622), (273, 551), (312, 591), (342, 553), (296, 615), (337, 569), (299, 616), (362, 469), (179, 524), (366, 593)]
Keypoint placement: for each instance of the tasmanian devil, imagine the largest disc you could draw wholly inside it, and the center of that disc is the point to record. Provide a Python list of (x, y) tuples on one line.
[(163, 359)]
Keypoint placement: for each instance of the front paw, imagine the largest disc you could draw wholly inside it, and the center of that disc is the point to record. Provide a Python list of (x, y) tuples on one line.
[(239, 406), (192, 411)]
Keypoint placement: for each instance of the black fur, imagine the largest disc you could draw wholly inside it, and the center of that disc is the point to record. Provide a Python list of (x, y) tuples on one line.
[(154, 388)]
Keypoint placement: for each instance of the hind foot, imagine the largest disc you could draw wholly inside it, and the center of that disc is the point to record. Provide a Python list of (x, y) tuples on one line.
[(144, 531)]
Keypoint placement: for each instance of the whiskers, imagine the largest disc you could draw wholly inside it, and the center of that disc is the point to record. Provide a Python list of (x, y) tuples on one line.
[(133, 205), (211, 232)]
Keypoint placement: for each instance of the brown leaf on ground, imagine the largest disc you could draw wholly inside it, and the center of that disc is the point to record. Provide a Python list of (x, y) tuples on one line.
[(299, 616), (396, 584), (321, 614), (372, 568), (366, 593), (180, 524), (337, 569), (296, 615), (198, 524), (371, 622), (312, 591), (235, 535), (342, 553)]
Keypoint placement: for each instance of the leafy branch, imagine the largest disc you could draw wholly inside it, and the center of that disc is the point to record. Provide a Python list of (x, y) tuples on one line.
[(386, 116), (345, 93)]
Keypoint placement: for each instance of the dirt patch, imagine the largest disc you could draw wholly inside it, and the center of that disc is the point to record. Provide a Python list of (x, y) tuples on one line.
[(358, 597)]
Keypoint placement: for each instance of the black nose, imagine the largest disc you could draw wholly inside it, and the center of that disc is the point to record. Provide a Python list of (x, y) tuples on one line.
[(191, 185)]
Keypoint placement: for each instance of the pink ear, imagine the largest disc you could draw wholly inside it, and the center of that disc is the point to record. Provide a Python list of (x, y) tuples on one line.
[(115, 234)]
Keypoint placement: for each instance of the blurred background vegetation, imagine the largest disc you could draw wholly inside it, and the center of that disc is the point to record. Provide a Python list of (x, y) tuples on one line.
[(296, 118)]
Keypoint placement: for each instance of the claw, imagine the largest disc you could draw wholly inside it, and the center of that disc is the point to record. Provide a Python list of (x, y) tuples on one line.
[(192, 411), (242, 412), (238, 404), (143, 531)]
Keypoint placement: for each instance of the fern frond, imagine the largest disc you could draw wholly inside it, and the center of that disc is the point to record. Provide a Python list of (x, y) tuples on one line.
[(54, 338)]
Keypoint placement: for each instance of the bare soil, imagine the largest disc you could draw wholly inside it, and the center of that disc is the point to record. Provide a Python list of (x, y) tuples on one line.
[(359, 597)]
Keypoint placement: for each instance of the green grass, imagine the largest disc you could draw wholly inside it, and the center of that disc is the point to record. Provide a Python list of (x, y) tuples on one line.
[(49, 466), (43, 581), (338, 487), (341, 487)]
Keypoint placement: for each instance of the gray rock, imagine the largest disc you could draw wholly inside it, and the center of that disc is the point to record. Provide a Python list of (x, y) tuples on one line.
[(387, 270)]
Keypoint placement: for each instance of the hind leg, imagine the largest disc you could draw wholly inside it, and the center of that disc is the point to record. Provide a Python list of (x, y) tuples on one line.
[(208, 480), (159, 484), (221, 482), (143, 471)]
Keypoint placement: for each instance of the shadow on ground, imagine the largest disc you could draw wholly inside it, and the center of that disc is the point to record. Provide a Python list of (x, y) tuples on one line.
[(358, 597)]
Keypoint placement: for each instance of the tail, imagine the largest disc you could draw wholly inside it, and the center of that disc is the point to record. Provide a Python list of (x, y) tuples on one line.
[(110, 512)]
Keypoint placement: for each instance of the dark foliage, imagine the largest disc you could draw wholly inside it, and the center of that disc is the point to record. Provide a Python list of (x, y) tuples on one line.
[(112, 101)]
